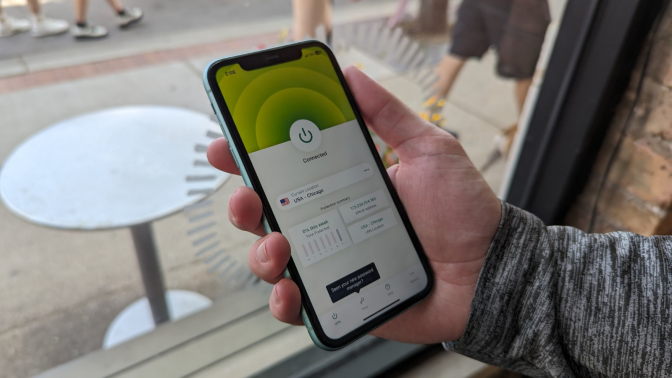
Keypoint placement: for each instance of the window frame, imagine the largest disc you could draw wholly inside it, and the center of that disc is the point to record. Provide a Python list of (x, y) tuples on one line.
[(585, 79), (596, 50)]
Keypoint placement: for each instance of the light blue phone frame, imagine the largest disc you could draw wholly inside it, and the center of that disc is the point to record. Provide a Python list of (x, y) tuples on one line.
[(246, 177)]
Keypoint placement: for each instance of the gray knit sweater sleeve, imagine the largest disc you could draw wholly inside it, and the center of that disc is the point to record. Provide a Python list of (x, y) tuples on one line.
[(557, 302)]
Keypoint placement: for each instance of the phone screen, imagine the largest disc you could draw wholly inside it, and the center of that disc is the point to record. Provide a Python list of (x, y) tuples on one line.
[(350, 247)]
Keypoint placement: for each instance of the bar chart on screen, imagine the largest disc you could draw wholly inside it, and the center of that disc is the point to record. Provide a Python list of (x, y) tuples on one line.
[(319, 238)]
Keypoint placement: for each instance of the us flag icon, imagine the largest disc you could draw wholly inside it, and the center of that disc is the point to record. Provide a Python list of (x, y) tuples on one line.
[(284, 201)]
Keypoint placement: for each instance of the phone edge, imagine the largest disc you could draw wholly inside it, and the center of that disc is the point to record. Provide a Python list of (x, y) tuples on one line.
[(286, 273), (246, 179)]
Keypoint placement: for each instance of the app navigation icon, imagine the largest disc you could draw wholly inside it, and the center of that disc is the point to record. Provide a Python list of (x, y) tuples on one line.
[(305, 135)]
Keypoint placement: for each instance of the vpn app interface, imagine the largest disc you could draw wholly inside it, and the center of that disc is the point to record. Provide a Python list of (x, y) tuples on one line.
[(348, 242)]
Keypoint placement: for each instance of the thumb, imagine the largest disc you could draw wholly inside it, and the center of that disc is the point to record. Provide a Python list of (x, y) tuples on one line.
[(385, 114), (392, 172)]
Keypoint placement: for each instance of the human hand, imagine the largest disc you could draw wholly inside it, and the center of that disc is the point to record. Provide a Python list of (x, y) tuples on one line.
[(453, 211)]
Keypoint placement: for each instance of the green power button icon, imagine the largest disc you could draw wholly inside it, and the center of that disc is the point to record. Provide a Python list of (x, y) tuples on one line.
[(305, 135), (303, 131)]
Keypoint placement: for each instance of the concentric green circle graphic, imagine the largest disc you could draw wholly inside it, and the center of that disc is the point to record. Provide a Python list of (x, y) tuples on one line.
[(266, 102), (276, 115)]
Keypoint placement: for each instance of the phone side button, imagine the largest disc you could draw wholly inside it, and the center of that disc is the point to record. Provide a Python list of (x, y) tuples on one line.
[(225, 137), (234, 157)]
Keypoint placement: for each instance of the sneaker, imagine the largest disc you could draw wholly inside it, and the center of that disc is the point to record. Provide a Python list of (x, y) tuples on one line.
[(88, 31), (503, 143), (44, 26), (10, 25), (129, 17)]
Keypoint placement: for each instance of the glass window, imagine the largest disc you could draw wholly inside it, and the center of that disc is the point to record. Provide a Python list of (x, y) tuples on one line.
[(117, 255)]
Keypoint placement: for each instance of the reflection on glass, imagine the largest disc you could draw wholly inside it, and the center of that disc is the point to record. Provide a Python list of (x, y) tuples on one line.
[(61, 290)]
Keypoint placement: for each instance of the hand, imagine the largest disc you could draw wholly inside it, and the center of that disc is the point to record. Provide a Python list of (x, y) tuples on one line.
[(452, 208)]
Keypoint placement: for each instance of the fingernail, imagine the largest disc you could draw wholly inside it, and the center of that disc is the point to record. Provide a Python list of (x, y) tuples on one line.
[(231, 212), (276, 298), (262, 256)]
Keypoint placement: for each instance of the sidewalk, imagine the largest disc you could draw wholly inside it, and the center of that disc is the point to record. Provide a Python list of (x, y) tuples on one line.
[(61, 289)]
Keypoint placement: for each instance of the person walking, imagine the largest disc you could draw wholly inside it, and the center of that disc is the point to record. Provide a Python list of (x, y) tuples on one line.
[(508, 290), (516, 29), (39, 25), (83, 30), (309, 15)]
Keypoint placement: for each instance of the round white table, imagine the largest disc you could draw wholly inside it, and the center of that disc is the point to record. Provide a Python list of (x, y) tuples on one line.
[(121, 167)]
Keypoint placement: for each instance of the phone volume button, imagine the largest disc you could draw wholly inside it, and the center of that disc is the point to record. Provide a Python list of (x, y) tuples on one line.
[(234, 157)]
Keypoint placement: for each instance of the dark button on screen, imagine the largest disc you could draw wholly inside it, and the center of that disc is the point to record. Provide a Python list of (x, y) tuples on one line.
[(352, 282)]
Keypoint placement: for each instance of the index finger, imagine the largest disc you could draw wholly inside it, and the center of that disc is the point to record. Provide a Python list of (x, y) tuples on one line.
[(386, 115), (219, 156)]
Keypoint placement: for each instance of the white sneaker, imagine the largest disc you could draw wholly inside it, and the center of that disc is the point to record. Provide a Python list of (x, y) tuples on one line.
[(10, 25), (131, 16), (44, 26), (88, 31)]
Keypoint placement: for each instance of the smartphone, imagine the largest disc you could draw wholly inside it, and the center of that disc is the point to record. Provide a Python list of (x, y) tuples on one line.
[(300, 142)]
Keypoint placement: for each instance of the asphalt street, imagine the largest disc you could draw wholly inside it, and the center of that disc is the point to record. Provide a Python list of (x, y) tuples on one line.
[(161, 17)]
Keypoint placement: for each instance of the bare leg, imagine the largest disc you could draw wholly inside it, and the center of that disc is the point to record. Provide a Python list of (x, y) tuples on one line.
[(308, 15), (326, 17), (116, 5), (448, 70), (505, 141), (34, 6), (522, 87), (80, 10)]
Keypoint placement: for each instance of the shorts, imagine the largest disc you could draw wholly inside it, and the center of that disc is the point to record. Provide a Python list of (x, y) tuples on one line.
[(516, 28)]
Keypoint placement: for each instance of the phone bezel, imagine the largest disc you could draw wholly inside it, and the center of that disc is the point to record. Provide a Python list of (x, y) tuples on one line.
[(267, 209)]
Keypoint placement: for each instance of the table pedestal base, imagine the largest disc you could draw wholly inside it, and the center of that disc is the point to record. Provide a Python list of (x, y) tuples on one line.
[(137, 319)]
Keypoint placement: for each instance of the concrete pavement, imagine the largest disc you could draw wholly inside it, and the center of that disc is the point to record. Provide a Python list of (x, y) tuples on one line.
[(165, 19), (200, 22)]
